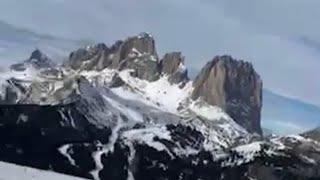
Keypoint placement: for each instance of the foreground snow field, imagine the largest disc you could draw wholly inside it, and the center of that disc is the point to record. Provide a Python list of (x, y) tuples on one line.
[(14, 172)]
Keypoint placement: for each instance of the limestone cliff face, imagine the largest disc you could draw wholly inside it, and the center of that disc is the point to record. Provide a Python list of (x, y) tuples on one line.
[(235, 87), (137, 53), (172, 64)]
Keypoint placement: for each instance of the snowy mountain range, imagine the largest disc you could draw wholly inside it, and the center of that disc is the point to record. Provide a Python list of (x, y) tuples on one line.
[(17, 43), (123, 112)]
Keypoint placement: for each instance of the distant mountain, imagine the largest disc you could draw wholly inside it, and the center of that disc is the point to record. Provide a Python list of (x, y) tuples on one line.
[(17, 43), (286, 116), (313, 134)]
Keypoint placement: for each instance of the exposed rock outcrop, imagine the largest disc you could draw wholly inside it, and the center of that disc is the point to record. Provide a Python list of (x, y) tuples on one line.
[(137, 53), (173, 65), (37, 60), (235, 87), (143, 44), (90, 58)]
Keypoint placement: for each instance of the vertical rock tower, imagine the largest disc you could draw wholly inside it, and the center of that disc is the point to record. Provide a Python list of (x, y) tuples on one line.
[(235, 87)]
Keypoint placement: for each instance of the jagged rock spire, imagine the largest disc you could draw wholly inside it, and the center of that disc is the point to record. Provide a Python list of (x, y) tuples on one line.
[(235, 87), (173, 65)]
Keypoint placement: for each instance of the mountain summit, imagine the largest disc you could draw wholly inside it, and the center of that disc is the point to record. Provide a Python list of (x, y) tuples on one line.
[(235, 87), (37, 60), (123, 113)]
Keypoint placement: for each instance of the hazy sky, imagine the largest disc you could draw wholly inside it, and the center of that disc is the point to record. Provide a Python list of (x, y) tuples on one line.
[(280, 37)]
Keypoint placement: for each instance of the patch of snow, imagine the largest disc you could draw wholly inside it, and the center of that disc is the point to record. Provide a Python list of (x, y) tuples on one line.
[(161, 93), (147, 135), (130, 113), (207, 111), (276, 141), (15, 172), (22, 118), (106, 148), (153, 58), (187, 151), (248, 151), (249, 148), (220, 129), (129, 94), (99, 77), (295, 138), (135, 52), (308, 160), (182, 68), (63, 116), (64, 151)]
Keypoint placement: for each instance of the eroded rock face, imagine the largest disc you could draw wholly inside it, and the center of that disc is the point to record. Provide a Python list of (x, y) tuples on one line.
[(89, 58), (142, 44), (234, 86), (172, 64), (137, 53)]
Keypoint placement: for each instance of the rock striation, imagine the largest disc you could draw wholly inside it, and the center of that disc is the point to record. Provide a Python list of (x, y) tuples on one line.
[(235, 87)]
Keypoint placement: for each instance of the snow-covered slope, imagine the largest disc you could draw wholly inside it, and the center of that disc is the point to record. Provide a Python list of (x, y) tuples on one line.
[(16, 172)]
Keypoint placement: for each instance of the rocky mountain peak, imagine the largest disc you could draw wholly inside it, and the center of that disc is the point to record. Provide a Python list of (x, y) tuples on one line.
[(37, 54), (136, 52), (89, 58), (37, 60), (142, 44), (234, 86), (172, 64), (40, 60)]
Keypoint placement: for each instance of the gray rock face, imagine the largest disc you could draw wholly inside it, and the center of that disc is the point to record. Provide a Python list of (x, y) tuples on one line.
[(143, 67), (37, 60), (235, 87), (142, 44), (172, 64), (137, 53), (90, 58)]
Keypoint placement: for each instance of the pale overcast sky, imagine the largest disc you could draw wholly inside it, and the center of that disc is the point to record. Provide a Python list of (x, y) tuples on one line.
[(280, 37)]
